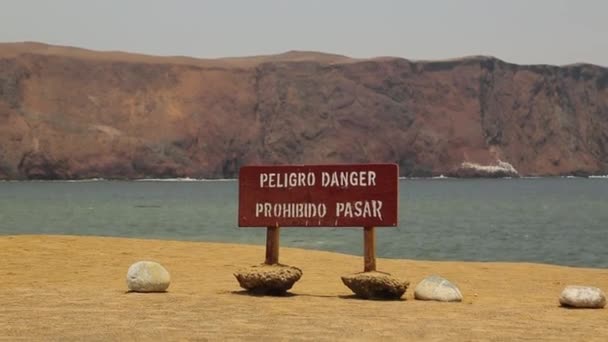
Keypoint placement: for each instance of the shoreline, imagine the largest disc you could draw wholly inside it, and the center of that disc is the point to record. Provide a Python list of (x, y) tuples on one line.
[(302, 249), (73, 288), (187, 179)]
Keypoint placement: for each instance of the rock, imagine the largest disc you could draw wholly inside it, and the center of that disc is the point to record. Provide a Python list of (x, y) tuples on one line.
[(147, 276), (268, 279), (437, 288), (375, 285), (582, 297)]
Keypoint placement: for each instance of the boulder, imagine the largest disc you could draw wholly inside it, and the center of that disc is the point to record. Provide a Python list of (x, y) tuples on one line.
[(375, 285), (437, 288), (582, 297), (147, 276), (268, 279)]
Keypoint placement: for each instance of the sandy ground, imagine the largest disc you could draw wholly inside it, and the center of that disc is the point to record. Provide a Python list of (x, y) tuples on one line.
[(73, 288)]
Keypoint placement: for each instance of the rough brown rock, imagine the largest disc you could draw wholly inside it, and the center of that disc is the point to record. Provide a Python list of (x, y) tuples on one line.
[(375, 285), (268, 279), (73, 113)]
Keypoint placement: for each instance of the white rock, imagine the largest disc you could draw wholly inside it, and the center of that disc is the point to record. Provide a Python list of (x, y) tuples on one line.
[(437, 288), (582, 297), (147, 276)]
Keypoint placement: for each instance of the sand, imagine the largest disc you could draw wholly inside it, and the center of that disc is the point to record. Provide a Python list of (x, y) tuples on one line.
[(73, 288)]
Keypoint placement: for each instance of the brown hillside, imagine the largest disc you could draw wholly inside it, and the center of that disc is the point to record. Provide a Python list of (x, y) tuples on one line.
[(75, 113)]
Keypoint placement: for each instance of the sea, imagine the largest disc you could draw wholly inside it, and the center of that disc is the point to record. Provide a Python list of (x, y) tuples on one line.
[(560, 221)]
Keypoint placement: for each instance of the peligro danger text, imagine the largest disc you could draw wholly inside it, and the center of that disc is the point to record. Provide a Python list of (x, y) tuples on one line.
[(328, 179)]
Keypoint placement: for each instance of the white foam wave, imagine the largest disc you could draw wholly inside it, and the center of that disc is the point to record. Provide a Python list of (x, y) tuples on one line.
[(88, 180), (83, 180), (186, 179), (432, 178)]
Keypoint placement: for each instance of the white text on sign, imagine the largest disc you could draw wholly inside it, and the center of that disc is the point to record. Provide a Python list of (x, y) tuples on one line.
[(328, 179), (363, 209)]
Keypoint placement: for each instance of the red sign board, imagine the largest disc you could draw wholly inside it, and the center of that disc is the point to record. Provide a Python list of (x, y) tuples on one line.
[(360, 195)]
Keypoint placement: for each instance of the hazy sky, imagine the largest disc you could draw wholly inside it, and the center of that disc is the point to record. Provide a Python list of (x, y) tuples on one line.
[(529, 32)]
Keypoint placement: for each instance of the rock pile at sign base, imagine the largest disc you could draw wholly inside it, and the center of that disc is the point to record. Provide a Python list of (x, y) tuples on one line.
[(582, 297), (147, 276), (375, 285), (268, 279), (437, 288)]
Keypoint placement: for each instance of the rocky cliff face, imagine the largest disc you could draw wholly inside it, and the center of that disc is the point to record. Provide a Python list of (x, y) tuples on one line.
[(71, 113)]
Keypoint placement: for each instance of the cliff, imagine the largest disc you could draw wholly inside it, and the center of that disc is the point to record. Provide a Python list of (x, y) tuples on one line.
[(68, 113)]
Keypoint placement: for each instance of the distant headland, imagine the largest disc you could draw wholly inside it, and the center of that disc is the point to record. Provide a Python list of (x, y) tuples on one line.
[(70, 113)]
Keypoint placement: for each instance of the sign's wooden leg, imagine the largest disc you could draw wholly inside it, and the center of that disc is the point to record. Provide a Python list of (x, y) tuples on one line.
[(369, 249), (272, 245)]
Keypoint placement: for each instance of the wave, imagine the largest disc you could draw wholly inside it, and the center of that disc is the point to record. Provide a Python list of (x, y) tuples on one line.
[(82, 180), (88, 180), (186, 179), (599, 177), (435, 177)]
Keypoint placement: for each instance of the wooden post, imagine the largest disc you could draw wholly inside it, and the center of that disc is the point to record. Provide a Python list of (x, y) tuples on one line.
[(369, 249), (272, 245)]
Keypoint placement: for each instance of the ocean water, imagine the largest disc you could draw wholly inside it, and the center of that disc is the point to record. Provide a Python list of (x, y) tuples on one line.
[(546, 220)]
